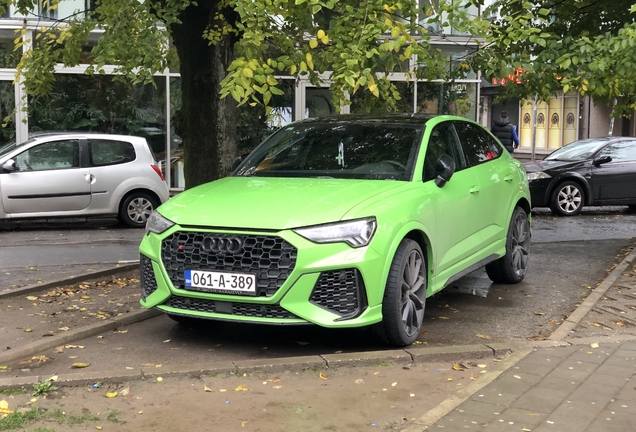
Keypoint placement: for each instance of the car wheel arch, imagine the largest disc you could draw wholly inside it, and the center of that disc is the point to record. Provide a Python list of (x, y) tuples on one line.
[(574, 177), (421, 238)]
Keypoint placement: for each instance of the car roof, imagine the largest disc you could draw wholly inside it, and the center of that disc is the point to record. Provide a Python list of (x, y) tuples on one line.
[(396, 118), (42, 136)]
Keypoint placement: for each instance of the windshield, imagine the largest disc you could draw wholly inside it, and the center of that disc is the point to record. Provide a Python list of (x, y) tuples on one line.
[(578, 150), (339, 149), (12, 146)]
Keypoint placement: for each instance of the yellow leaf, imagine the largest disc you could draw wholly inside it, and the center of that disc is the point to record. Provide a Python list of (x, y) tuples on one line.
[(449, 379), (249, 73), (167, 340), (393, 384), (324, 40), (206, 389), (243, 423), (32, 298), (594, 345), (459, 367), (98, 427), (320, 34), (111, 394), (359, 381), (34, 400), (80, 365), (241, 387), (159, 379), (313, 43), (481, 366), (323, 376), (28, 330), (277, 387), (483, 336)]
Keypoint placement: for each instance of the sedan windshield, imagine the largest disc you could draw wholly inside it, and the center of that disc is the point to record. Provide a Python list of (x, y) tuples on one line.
[(578, 150), (339, 149)]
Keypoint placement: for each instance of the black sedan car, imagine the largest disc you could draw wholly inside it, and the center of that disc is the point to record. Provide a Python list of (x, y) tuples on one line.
[(595, 171)]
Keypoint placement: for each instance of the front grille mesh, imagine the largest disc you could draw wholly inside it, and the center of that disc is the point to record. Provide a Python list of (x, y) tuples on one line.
[(338, 291), (239, 309), (147, 276), (270, 258)]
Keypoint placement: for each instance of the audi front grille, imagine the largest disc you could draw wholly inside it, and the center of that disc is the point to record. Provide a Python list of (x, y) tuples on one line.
[(147, 276), (270, 258), (229, 308)]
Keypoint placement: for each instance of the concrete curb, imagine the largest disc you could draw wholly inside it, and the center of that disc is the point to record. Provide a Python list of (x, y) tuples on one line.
[(77, 334), (67, 281), (579, 313)]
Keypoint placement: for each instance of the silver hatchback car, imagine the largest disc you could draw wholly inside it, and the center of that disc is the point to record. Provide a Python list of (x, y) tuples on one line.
[(70, 175)]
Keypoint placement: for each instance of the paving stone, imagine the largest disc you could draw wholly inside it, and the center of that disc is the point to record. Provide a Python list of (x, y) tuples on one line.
[(538, 400), (548, 355), (606, 379), (598, 395), (629, 346), (597, 357), (574, 416), (575, 374), (627, 393), (477, 407), (455, 421), (522, 417), (625, 371), (539, 369), (558, 384), (613, 424)]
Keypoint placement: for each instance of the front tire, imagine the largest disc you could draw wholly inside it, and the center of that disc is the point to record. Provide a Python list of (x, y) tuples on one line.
[(567, 199), (404, 296), (511, 268), (135, 210)]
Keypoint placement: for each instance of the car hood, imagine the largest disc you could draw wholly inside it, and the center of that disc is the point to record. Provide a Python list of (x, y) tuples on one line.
[(271, 203), (551, 165)]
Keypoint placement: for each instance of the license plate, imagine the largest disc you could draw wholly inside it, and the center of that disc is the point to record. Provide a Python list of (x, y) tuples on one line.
[(226, 283)]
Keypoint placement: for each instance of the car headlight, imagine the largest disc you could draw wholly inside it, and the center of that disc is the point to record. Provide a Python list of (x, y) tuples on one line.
[(538, 175), (157, 223), (355, 233)]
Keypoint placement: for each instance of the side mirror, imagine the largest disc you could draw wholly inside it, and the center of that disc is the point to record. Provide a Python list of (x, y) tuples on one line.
[(444, 170), (9, 166), (238, 161), (602, 160)]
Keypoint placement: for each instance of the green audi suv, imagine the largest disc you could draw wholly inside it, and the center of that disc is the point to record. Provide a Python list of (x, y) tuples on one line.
[(343, 221)]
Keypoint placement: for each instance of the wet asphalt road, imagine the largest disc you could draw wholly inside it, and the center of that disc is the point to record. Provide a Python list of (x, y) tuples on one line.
[(568, 256)]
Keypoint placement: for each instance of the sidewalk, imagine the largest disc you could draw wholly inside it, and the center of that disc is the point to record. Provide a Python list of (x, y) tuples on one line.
[(581, 380)]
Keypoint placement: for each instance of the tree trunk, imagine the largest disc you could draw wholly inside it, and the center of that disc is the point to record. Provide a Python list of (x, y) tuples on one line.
[(209, 122)]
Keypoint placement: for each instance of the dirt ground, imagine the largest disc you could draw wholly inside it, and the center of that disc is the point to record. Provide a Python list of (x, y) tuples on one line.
[(385, 396)]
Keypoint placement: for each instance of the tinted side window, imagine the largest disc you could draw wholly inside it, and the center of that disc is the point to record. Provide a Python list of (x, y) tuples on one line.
[(443, 140), (478, 145), (107, 152), (621, 151), (48, 156)]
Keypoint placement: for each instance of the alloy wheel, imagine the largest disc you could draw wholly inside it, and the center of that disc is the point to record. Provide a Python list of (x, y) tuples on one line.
[(139, 209), (413, 293), (569, 199), (520, 244)]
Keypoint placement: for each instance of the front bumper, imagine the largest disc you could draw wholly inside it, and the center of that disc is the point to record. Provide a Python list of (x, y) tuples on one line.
[(539, 192), (298, 282)]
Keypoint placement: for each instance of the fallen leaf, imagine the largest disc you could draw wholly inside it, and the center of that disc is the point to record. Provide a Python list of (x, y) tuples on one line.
[(98, 427), (539, 313), (241, 387), (443, 317), (517, 376), (222, 390), (32, 298), (481, 366), (59, 349), (121, 331), (277, 387), (243, 423), (80, 365), (206, 389), (459, 367), (33, 400), (111, 394), (53, 378), (159, 379), (449, 379), (140, 412), (473, 377), (323, 376), (125, 391), (359, 381), (28, 330), (393, 384), (594, 345), (620, 323), (4, 409), (412, 394), (479, 335), (167, 340)]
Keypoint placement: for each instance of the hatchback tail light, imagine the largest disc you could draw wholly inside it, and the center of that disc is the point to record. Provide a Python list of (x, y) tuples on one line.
[(158, 171)]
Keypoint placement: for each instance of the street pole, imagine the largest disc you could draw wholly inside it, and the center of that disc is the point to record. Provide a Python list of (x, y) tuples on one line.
[(534, 126)]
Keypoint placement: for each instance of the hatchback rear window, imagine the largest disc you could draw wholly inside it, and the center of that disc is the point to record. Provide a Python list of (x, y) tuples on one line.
[(109, 152)]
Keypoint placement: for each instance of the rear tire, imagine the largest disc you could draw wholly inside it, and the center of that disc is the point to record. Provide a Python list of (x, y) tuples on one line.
[(567, 199), (511, 268), (404, 296), (135, 210)]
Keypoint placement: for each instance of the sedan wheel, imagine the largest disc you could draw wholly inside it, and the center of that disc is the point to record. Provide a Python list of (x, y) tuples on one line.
[(135, 210), (511, 268), (567, 199), (405, 296)]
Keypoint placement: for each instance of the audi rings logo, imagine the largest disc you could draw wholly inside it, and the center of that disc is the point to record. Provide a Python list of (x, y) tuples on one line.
[(222, 245)]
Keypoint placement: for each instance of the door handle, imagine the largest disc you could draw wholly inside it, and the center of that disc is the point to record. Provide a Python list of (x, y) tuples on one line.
[(90, 178), (508, 178), (474, 189)]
